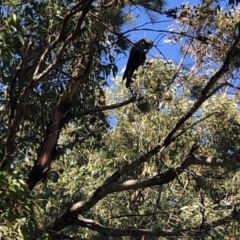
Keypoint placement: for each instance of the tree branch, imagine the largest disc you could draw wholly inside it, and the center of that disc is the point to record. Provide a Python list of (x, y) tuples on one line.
[(74, 10), (195, 123), (113, 232), (101, 109)]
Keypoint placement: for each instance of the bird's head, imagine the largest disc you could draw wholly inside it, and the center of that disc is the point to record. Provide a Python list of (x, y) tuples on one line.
[(145, 44)]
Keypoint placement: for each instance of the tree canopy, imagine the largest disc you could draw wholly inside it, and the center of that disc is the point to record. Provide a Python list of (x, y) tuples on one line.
[(82, 157)]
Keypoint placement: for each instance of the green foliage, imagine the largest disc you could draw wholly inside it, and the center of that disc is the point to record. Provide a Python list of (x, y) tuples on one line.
[(93, 144), (19, 209)]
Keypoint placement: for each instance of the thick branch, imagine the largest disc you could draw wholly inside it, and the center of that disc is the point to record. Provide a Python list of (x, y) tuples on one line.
[(196, 159), (168, 176)]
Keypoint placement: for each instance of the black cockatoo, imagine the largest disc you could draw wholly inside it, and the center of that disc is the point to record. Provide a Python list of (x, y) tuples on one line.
[(136, 58)]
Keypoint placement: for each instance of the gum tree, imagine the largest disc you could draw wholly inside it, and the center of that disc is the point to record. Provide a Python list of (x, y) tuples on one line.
[(83, 158)]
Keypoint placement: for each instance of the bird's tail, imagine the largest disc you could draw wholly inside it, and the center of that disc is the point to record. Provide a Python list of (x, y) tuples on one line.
[(128, 82)]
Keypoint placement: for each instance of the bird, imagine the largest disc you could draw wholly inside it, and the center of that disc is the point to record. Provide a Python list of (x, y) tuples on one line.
[(136, 58)]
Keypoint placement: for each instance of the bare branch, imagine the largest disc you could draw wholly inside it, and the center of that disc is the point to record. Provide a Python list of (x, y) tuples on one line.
[(104, 108), (74, 10), (85, 9), (195, 123), (113, 232), (196, 159)]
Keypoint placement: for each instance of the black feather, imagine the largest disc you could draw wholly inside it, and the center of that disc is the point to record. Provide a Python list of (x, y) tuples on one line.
[(136, 58)]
